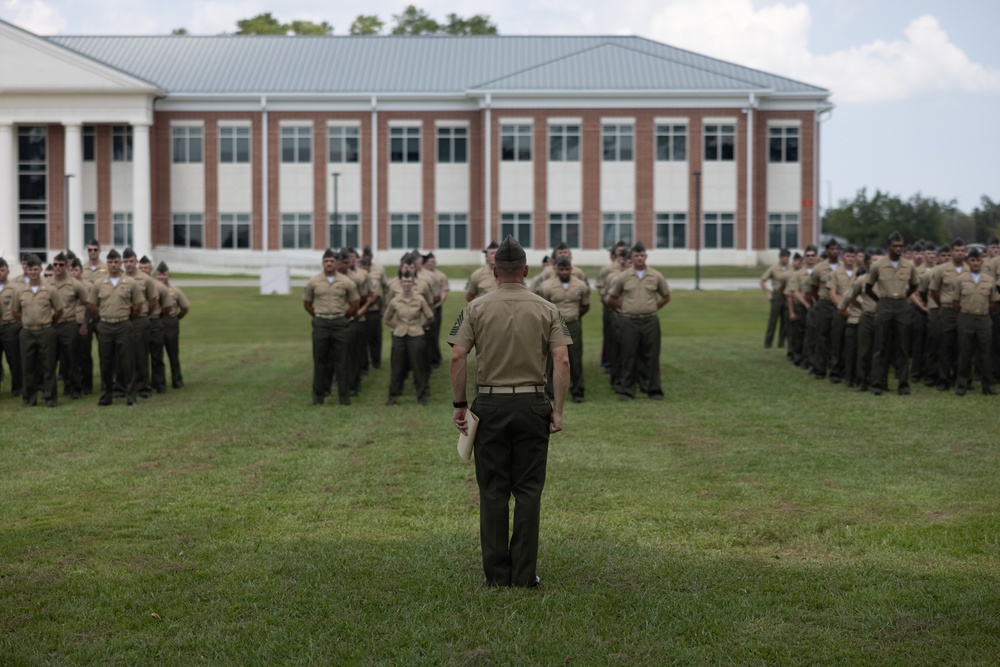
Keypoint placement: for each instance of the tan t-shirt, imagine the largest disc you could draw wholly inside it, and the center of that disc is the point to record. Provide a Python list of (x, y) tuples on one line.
[(409, 315), (569, 297), (37, 304), (512, 332), (894, 281), (639, 295), (115, 301), (330, 296)]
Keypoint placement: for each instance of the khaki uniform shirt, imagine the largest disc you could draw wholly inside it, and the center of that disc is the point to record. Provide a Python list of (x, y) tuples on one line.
[(36, 305), (778, 275), (839, 280), (976, 297), (945, 280), (639, 295), (330, 296), (162, 296), (924, 287), (409, 315), (74, 296), (175, 303), (481, 282), (6, 298), (115, 301), (604, 276), (148, 289), (378, 281), (991, 267), (360, 279), (433, 284), (855, 293), (799, 282), (569, 297), (419, 288), (821, 278), (91, 274), (549, 272), (512, 332), (895, 281)]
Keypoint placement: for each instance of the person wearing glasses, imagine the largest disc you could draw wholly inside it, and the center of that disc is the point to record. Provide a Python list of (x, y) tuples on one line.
[(74, 297)]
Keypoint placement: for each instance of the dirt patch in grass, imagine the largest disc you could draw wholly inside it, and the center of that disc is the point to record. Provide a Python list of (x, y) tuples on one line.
[(477, 656)]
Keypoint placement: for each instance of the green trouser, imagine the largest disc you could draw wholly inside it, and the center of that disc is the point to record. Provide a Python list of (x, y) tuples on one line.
[(38, 360), (157, 371), (850, 357), (892, 341), (140, 347), (576, 389), (824, 314), (171, 343), (932, 347), (838, 327), (330, 341), (409, 352), (918, 336), (10, 347), (798, 337), (776, 320), (355, 347), (975, 334), (640, 355), (114, 345), (948, 344), (511, 450), (67, 337), (866, 347), (613, 349)]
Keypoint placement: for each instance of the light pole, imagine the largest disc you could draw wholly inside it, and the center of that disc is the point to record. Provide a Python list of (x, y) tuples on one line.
[(697, 230), (336, 213)]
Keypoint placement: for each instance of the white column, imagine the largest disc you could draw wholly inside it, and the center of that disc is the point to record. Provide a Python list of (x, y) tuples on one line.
[(142, 225), (74, 169), (9, 244)]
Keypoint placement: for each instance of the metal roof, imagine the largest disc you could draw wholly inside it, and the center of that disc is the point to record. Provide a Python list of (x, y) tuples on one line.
[(256, 64)]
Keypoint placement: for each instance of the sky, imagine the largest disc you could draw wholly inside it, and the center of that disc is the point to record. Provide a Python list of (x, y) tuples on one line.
[(916, 83)]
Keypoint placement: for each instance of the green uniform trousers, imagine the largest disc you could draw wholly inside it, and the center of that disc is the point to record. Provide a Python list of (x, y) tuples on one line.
[(171, 343), (114, 345), (776, 320), (157, 371), (409, 352), (140, 348), (511, 451), (330, 341), (892, 341), (947, 345), (576, 388), (67, 344), (866, 349), (640, 355), (38, 360), (10, 347), (975, 336)]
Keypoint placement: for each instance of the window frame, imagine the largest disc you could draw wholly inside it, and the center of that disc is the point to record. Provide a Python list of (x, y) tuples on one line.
[(238, 221), (346, 222), (671, 221), (724, 137), (405, 223), (343, 144), (404, 144), (560, 135), (450, 222), (235, 140), (519, 225), (450, 138), (121, 143), (187, 144), (620, 220), (123, 221), (617, 142), (721, 221), (563, 221), (301, 225), (783, 144), (188, 222), (785, 222), (671, 142), (300, 138), (516, 142)]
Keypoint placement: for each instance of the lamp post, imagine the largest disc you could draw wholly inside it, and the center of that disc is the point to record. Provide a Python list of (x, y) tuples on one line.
[(336, 241), (697, 230)]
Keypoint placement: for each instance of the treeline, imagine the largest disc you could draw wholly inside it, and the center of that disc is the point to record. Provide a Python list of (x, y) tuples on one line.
[(412, 21), (867, 221)]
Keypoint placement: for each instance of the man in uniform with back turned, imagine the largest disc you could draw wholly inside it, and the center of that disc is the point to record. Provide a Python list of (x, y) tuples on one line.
[(512, 332)]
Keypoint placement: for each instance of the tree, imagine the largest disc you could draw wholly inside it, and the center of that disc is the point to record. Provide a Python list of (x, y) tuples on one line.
[(867, 222), (987, 218), (478, 24), (267, 24), (414, 21), (367, 25), (179, 31)]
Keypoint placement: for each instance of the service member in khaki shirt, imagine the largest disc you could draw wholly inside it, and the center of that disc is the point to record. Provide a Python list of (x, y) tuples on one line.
[(822, 314), (408, 315), (10, 330), (74, 296), (434, 332), (896, 279), (572, 297), (839, 283), (330, 298), (172, 311), (638, 293), (512, 332), (378, 280), (799, 307), (482, 280), (356, 321), (141, 325), (778, 275), (977, 299), (943, 288), (117, 299), (38, 306), (157, 370)]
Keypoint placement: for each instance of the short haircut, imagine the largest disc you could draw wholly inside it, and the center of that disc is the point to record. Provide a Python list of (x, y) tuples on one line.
[(974, 254), (956, 243), (895, 237), (784, 253), (33, 260), (513, 267)]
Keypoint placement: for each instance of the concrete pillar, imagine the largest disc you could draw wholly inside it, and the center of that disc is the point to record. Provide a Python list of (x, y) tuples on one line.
[(142, 210), (9, 237), (74, 169)]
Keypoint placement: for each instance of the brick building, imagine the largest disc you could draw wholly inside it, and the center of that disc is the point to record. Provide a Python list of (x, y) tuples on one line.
[(244, 151)]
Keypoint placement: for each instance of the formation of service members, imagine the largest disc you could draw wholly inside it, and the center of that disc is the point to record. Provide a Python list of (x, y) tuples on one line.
[(928, 313), (48, 320)]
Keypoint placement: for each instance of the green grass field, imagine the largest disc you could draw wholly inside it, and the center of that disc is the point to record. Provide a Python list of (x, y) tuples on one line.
[(755, 517)]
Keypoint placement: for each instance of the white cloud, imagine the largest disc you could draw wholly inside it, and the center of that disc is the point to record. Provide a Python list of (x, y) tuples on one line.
[(775, 39), (34, 16)]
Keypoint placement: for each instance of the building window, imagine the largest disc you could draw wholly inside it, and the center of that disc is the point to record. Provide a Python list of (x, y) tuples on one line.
[(32, 190), (345, 230), (616, 227), (404, 144), (234, 145), (671, 230), (617, 143), (453, 145), (121, 143), (188, 230), (186, 142), (296, 145), (783, 230), (564, 143), (515, 143), (517, 225), (343, 144), (564, 228), (121, 230), (89, 227), (783, 144), (404, 230), (296, 230), (720, 231), (720, 143), (453, 231), (671, 143), (234, 231), (89, 137)]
